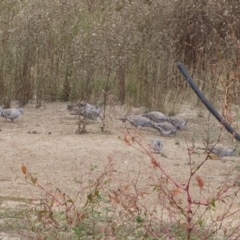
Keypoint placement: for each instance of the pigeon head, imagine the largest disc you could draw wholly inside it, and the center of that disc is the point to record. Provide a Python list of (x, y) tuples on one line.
[(184, 125), (20, 110), (230, 152)]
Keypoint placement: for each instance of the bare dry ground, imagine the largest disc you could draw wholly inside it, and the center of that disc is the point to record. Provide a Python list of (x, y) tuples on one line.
[(45, 141)]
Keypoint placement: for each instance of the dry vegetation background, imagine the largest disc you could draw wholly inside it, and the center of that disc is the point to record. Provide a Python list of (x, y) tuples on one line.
[(71, 50)]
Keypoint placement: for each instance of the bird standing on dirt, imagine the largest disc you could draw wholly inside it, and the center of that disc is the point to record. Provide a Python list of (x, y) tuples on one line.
[(221, 151), (91, 114), (11, 113), (85, 109), (137, 121), (165, 128), (178, 122), (156, 145), (159, 117), (156, 116)]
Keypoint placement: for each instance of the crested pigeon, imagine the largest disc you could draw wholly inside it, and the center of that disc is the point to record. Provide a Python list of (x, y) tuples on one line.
[(220, 150), (156, 116), (90, 107), (85, 109), (156, 145), (165, 128), (91, 114), (178, 122), (11, 113), (137, 121)]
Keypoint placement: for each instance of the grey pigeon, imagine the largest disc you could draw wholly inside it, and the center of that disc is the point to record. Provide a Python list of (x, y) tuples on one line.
[(85, 109), (220, 150), (90, 106), (84, 105), (165, 128), (11, 113), (91, 114), (156, 116), (156, 145), (138, 121), (178, 122), (77, 108)]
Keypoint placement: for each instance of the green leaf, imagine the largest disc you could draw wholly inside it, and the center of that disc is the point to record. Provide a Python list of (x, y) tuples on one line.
[(33, 180), (93, 167), (213, 203), (90, 197), (200, 222), (139, 219), (97, 192)]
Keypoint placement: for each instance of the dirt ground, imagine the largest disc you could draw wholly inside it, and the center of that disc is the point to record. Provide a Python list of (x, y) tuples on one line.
[(45, 141)]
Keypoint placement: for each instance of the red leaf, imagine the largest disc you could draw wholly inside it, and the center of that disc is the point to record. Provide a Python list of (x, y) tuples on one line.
[(143, 193), (33, 180), (116, 199), (176, 192), (204, 202), (200, 181), (127, 141), (24, 169)]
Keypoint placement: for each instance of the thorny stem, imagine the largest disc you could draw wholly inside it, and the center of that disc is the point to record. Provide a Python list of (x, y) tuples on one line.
[(105, 97), (154, 162), (42, 188), (185, 188)]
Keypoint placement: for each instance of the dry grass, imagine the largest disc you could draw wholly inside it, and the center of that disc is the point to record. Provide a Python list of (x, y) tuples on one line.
[(71, 50)]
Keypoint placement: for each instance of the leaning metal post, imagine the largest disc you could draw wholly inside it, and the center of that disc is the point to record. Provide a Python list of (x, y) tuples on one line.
[(206, 102)]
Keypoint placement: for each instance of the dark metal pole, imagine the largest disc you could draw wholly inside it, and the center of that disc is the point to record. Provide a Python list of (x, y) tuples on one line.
[(206, 102)]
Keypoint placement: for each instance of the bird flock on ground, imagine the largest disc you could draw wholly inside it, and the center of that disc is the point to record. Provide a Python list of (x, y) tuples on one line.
[(168, 126), (165, 125)]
